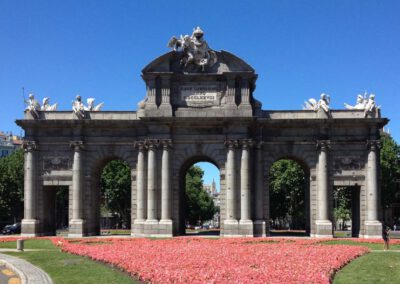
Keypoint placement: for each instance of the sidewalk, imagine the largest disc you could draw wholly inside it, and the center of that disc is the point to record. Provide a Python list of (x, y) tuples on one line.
[(27, 272)]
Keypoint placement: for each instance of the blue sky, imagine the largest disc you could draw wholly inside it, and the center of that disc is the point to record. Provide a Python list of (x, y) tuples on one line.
[(298, 48)]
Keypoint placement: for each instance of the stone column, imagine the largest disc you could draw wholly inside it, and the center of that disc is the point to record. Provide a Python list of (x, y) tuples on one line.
[(151, 224), (246, 224), (166, 221), (140, 190), (259, 223), (323, 224), (231, 223), (373, 227), (30, 223), (76, 224)]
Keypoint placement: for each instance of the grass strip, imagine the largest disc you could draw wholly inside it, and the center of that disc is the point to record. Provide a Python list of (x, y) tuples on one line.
[(68, 268)]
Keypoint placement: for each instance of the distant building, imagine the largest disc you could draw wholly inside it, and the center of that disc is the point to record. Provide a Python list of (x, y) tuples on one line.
[(9, 143), (211, 189)]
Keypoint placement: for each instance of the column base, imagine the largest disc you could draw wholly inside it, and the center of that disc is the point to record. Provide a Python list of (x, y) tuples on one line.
[(246, 228), (165, 110), (165, 229), (259, 228), (150, 228), (323, 229), (30, 228), (245, 109), (231, 228), (76, 228), (373, 230), (138, 228)]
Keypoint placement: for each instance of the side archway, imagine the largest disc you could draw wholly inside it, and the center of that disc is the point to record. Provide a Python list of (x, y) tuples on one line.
[(94, 199)]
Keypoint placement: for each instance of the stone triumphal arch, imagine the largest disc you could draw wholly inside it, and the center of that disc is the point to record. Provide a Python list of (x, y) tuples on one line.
[(199, 105)]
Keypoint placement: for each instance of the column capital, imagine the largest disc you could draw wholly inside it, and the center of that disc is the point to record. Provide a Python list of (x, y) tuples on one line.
[(231, 143), (76, 145), (29, 145), (166, 143), (140, 145), (323, 145), (152, 144), (373, 145), (247, 143)]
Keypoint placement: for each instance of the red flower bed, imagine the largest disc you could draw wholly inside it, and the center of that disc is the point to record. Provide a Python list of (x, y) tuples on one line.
[(195, 260), (11, 239)]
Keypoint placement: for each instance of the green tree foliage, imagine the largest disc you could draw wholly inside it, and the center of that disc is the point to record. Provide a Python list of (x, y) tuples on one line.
[(342, 206), (116, 189), (199, 204), (287, 192), (390, 167), (12, 186)]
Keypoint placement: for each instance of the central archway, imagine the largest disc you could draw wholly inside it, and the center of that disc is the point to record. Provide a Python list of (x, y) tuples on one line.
[(199, 197), (110, 196)]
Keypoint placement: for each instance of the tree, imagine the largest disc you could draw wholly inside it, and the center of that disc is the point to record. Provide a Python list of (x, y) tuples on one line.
[(116, 189), (342, 206), (287, 192), (390, 167), (199, 204), (12, 186)]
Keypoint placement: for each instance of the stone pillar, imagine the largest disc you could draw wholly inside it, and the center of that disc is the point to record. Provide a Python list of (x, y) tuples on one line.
[(373, 227), (165, 225), (245, 106), (165, 106), (259, 223), (76, 224), (151, 224), (245, 223), (323, 224), (140, 190), (30, 223), (230, 93), (231, 223), (151, 93)]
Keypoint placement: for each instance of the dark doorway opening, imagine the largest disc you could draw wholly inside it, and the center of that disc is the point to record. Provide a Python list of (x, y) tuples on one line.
[(55, 201), (346, 211)]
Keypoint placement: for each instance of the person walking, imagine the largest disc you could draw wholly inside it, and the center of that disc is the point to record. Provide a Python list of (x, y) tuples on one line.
[(385, 236)]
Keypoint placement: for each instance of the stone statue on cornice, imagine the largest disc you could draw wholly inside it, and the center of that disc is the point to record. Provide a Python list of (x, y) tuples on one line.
[(195, 49)]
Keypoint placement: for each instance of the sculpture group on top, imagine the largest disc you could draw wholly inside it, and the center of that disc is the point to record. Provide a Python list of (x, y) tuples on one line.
[(322, 103), (33, 106), (195, 50), (79, 108), (367, 105)]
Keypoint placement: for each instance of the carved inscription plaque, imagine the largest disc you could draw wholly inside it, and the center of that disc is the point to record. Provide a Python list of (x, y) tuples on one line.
[(200, 95)]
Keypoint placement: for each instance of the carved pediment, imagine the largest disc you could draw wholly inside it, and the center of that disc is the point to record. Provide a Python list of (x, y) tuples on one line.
[(171, 62)]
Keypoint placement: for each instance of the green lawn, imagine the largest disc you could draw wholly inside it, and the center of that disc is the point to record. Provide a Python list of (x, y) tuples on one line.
[(67, 268), (368, 245), (378, 266), (375, 267)]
